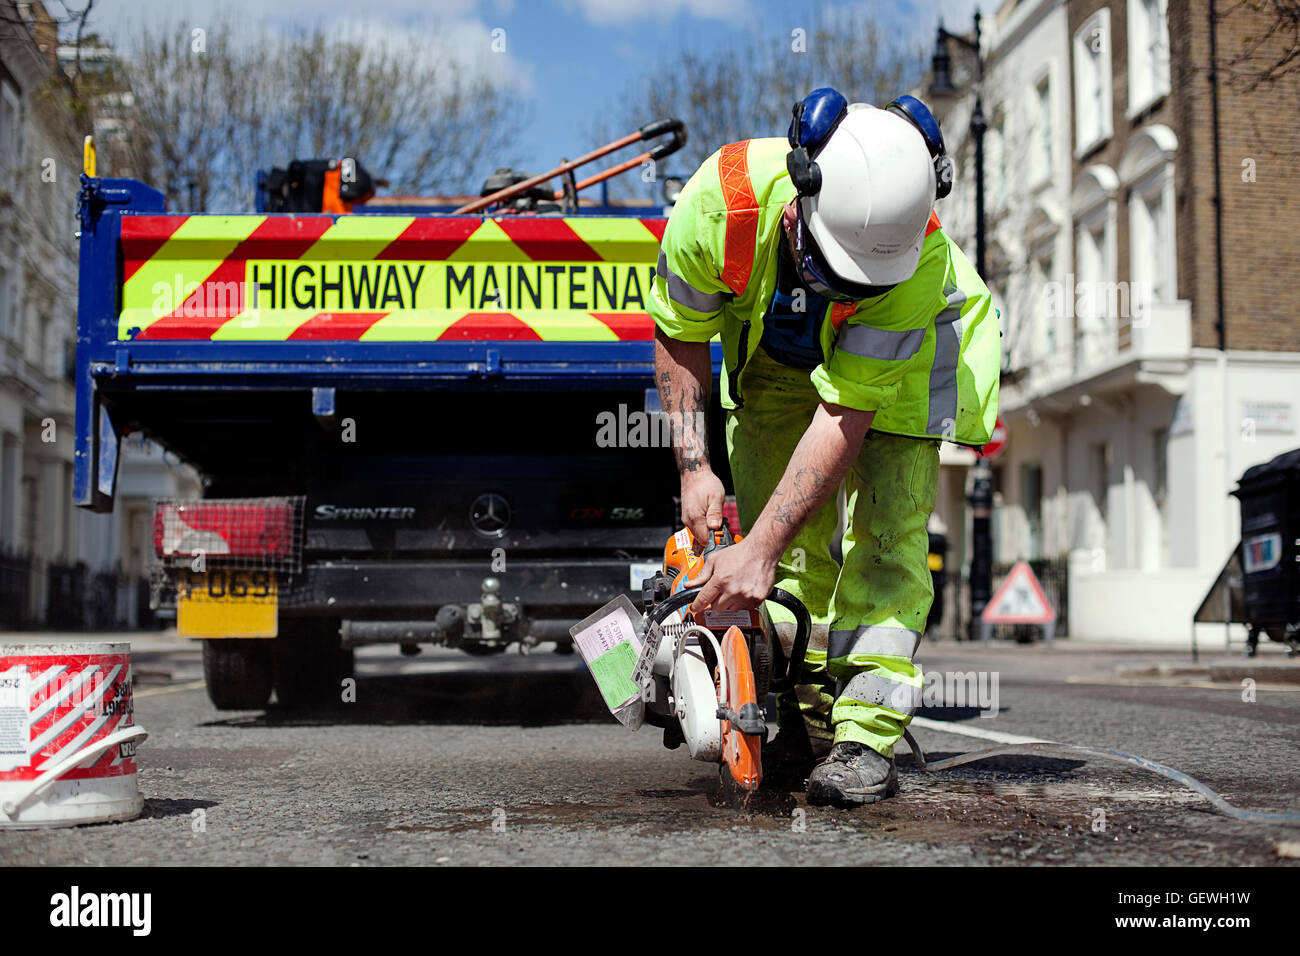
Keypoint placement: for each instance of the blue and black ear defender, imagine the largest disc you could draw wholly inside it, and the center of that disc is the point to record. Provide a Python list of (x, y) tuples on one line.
[(815, 118), (919, 115), (817, 115)]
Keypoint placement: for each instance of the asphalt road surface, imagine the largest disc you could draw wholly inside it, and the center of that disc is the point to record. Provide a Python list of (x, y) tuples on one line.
[(450, 760)]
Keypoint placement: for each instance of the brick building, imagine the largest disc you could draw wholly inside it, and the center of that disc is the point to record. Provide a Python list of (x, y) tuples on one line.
[(1129, 424)]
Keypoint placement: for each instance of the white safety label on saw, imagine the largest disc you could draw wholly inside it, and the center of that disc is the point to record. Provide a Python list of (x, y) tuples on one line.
[(682, 539), (15, 718), (645, 662), (609, 643), (728, 618)]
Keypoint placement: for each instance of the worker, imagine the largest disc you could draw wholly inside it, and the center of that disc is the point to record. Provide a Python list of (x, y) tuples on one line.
[(856, 336)]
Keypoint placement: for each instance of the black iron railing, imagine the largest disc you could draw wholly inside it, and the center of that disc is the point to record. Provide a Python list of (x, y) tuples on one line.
[(76, 597), (15, 584)]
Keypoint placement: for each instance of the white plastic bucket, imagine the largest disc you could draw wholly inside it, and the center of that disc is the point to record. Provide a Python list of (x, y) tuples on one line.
[(67, 734)]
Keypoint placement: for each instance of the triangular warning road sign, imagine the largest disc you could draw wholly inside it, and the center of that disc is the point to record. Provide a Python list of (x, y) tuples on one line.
[(1020, 600)]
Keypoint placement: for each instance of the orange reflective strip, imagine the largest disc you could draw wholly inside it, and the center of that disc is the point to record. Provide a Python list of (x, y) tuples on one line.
[(742, 216), (841, 311), (933, 224)]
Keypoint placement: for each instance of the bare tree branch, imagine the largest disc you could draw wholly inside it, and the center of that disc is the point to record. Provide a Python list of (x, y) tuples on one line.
[(1270, 52), (747, 89), (210, 114)]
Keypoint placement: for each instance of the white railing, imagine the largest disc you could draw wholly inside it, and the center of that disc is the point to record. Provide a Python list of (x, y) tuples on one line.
[(1159, 331)]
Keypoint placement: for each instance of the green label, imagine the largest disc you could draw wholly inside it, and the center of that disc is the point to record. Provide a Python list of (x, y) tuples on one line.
[(613, 673)]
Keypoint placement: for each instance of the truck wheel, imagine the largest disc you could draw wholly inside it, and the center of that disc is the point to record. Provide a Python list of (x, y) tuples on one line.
[(310, 664), (237, 672)]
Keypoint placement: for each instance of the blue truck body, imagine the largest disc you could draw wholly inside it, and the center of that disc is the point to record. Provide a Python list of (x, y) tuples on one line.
[(446, 424)]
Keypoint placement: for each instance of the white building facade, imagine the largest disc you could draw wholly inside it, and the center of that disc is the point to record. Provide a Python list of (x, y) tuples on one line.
[(1027, 198), (1125, 440), (53, 555)]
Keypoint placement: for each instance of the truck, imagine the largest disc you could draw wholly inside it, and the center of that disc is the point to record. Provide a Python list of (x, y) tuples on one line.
[(414, 424)]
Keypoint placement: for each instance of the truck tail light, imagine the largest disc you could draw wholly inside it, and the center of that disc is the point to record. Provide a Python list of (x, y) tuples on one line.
[(268, 529)]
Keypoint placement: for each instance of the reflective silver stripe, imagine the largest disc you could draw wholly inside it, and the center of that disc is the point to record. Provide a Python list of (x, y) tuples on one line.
[(889, 344), (871, 688), (874, 639), (683, 293), (943, 373)]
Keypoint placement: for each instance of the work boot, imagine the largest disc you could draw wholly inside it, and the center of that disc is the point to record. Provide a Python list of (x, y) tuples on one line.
[(853, 775)]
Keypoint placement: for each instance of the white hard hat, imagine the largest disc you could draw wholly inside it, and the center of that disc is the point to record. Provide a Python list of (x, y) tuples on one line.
[(877, 193)]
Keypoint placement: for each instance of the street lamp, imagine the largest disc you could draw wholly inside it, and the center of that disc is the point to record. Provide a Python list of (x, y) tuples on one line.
[(941, 88), (981, 494)]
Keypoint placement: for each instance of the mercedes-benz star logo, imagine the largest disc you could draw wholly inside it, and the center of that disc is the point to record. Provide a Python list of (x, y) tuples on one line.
[(490, 515)]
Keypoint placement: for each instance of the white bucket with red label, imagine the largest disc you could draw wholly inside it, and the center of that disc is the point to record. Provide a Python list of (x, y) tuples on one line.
[(67, 734)]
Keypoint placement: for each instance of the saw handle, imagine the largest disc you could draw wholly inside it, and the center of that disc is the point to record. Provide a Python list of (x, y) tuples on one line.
[(675, 602), (728, 539), (785, 670)]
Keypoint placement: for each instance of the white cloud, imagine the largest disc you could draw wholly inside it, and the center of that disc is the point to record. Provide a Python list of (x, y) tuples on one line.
[(466, 43), (305, 12), (443, 28), (623, 11)]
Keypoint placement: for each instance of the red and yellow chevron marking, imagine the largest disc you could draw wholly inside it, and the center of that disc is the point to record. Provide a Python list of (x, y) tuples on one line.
[(387, 278)]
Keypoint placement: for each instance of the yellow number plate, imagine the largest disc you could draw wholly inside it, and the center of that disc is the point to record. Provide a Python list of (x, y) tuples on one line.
[(226, 602)]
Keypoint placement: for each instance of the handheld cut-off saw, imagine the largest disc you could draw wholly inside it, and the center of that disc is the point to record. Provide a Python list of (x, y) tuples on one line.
[(702, 678)]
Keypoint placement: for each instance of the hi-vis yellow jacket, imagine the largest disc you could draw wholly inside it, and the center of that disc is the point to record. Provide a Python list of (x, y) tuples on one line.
[(925, 356)]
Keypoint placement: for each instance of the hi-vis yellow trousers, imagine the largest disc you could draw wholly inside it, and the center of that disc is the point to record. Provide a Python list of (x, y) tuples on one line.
[(876, 603)]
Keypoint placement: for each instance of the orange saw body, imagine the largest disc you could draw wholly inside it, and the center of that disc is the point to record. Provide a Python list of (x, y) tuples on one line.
[(701, 677), (738, 651)]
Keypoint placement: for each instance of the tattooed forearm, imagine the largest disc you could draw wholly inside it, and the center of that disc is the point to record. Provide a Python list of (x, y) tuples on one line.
[(684, 373), (794, 502), (818, 465)]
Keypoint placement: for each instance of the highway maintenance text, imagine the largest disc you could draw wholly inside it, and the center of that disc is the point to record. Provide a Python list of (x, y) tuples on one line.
[(335, 286)]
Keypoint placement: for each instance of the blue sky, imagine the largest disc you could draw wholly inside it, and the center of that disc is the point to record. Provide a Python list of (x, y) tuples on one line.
[(567, 60)]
